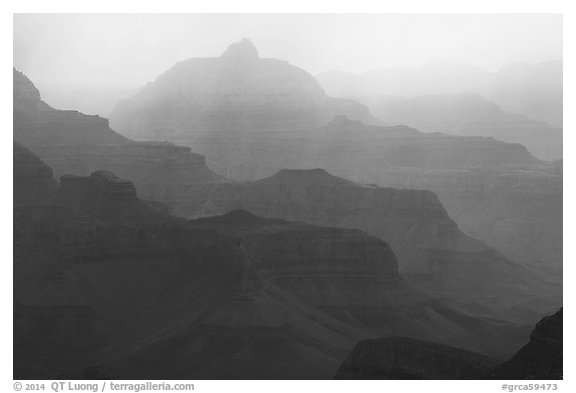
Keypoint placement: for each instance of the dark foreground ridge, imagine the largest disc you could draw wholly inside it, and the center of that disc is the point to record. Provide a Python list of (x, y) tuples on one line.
[(401, 358)]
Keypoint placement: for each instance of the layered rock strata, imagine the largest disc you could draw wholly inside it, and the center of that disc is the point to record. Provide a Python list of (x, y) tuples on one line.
[(107, 284)]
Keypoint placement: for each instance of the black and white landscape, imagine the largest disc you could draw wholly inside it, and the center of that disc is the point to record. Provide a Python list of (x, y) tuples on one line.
[(233, 215)]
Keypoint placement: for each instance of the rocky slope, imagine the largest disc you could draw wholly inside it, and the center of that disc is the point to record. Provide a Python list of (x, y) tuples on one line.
[(401, 358), (73, 143), (468, 114), (107, 284), (349, 146), (518, 212), (541, 358), (433, 253), (496, 192), (229, 95)]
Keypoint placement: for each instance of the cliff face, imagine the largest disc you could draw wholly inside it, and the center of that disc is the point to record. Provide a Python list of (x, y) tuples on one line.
[(468, 114), (74, 143), (401, 358), (37, 124), (235, 93)]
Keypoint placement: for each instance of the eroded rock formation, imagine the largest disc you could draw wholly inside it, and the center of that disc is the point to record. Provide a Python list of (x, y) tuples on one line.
[(74, 143), (231, 95), (105, 281), (433, 253)]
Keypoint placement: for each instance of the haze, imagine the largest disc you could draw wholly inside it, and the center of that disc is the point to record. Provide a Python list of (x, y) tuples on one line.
[(239, 218), (123, 51)]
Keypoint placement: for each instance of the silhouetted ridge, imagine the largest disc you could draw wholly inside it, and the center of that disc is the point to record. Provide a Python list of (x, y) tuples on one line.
[(26, 97), (344, 124), (317, 176), (243, 50), (23, 87), (541, 358), (241, 217), (405, 358), (344, 121)]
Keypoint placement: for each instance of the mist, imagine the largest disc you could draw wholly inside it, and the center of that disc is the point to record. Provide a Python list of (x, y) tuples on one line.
[(287, 197), (124, 51)]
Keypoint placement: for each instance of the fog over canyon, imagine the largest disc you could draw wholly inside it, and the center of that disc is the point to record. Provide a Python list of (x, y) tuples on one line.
[(231, 215)]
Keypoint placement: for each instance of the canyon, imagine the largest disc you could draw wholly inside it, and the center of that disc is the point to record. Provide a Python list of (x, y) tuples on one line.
[(433, 253), (243, 224), (114, 286), (517, 212)]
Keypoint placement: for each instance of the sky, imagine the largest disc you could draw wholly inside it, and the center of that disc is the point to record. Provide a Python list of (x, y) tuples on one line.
[(127, 50)]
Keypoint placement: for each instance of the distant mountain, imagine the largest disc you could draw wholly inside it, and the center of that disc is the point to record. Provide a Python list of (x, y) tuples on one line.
[(235, 93), (433, 78), (534, 91), (468, 114), (252, 117)]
